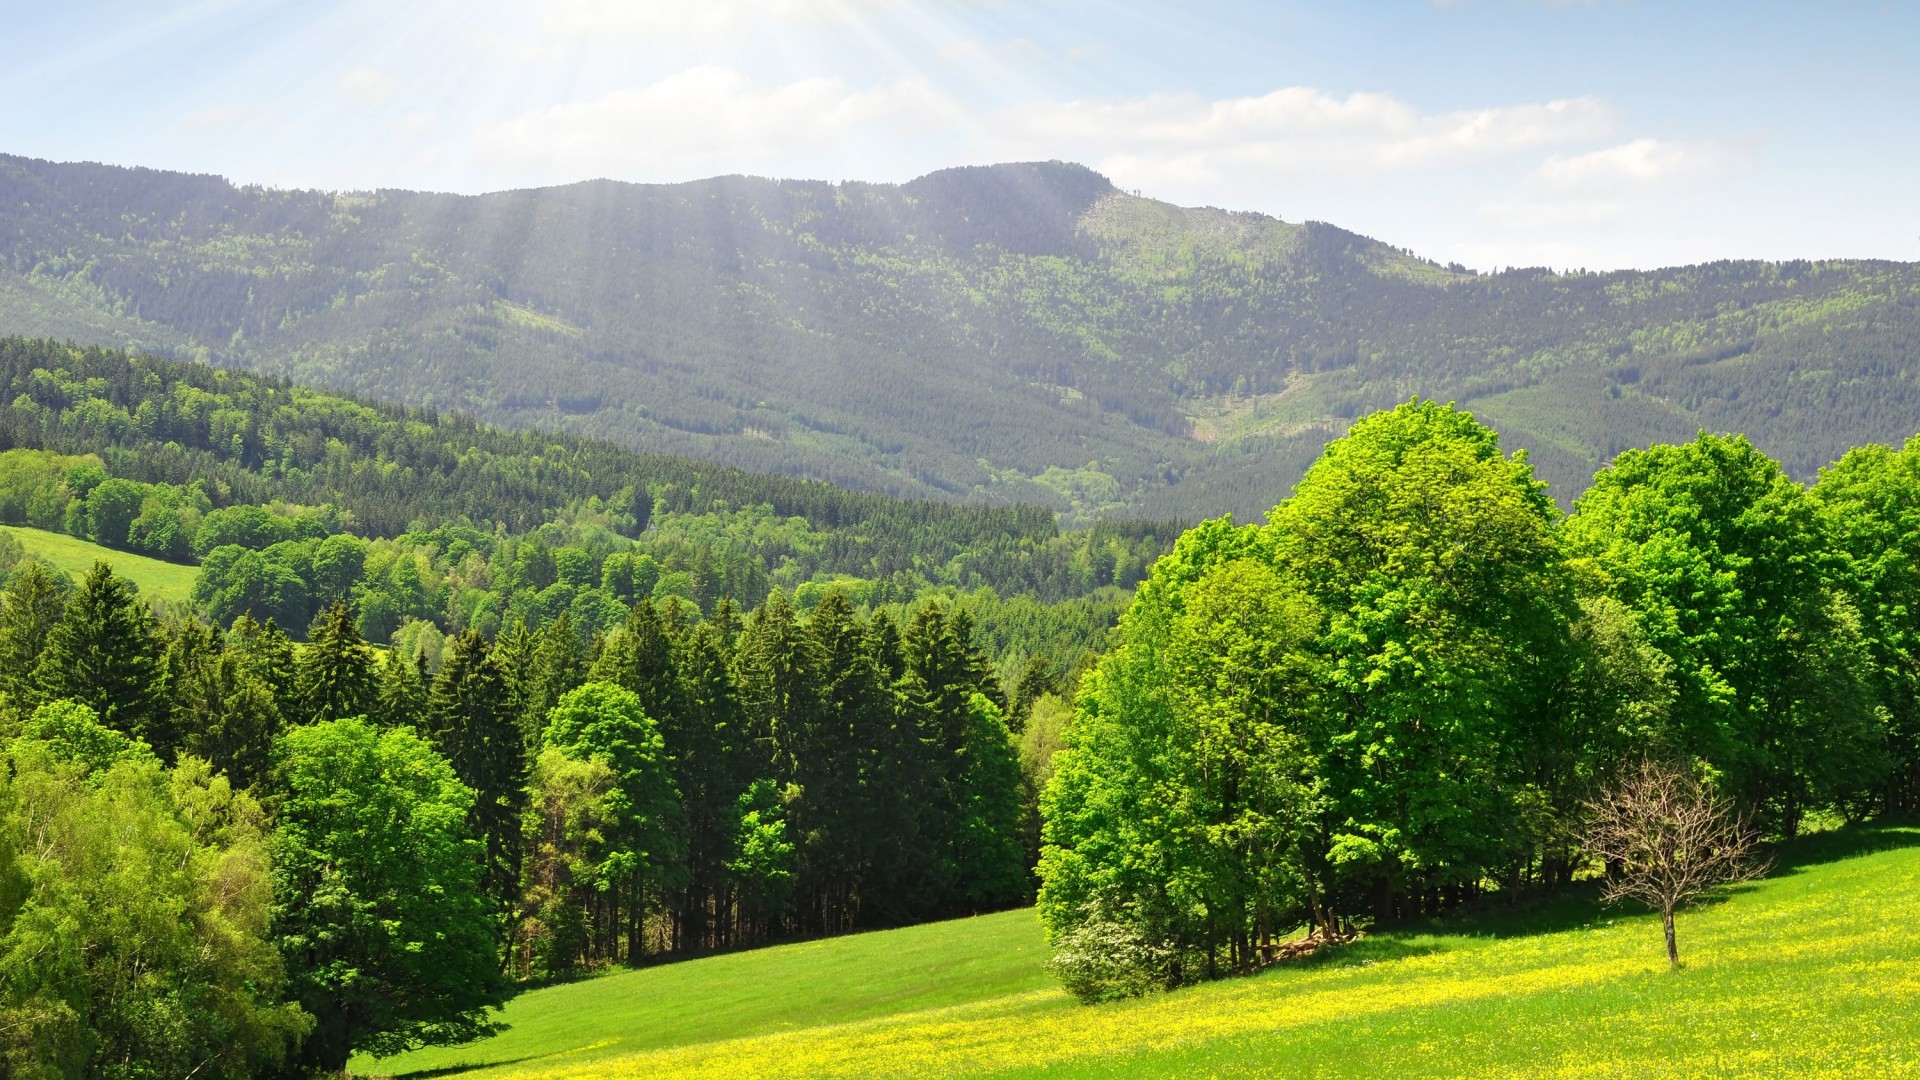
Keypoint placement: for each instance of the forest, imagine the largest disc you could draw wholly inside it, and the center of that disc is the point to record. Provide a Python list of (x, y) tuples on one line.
[(1416, 687), (430, 524), (1393, 699), (1016, 334)]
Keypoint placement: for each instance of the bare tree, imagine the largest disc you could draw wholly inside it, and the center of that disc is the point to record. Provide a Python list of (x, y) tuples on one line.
[(1667, 840)]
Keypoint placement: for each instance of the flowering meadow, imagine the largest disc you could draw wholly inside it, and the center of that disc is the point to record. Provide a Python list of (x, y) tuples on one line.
[(1813, 971)]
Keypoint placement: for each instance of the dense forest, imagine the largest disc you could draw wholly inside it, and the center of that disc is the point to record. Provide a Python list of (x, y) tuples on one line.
[(589, 742), (1413, 687), (429, 524), (1393, 699), (1014, 334)]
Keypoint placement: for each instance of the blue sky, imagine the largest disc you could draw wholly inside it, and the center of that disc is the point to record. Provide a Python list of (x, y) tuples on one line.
[(1492, 132)]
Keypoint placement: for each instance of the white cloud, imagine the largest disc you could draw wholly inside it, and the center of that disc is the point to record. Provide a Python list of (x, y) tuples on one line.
[(710, 118), (368, 86), (1619, 182), (1290, 132)]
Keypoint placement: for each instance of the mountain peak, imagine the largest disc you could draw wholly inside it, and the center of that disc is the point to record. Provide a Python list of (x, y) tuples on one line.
[(1027, 207)]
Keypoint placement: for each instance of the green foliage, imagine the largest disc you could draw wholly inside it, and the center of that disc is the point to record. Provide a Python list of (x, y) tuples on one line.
[(105, 653), (73, 732), (1728, 565), (1396, 695), (133, 929), (377, 905)]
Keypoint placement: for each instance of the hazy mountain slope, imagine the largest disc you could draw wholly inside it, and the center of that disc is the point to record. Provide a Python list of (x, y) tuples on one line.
[(1013, 333)]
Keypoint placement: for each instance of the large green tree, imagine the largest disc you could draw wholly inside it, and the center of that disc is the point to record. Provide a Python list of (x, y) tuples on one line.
[(1871, 501), (134, 914), (1729, 566), (606, 723), (106, 652), (472, 722), (389, 939), (1435, 558)]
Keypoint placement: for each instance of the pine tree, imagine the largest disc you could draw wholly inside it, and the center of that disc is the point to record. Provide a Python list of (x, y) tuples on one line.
[(105, 653), (470, 721), (834, 764), (900, 767), (267, 654), (234, 717), (559, 664), (403, 691), (710, 767), (1037, 680), (29, 610), (333, 672)]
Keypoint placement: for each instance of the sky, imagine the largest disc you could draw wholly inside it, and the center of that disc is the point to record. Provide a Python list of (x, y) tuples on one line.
[(1495, 133)]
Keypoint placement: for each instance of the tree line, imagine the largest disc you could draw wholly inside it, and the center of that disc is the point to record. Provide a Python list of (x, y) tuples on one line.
[(1400, 694), (364, 853)]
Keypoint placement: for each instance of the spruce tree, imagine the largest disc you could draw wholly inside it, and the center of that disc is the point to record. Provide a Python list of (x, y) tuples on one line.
[(267, 654), (402, 691), (30, 608), (234, 717), (836, 822), (470, 720), (105, 653), (711, 768), (333, 673)]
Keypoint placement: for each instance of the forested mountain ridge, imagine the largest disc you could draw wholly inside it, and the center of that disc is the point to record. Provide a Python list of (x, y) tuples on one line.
[(1019, 333)]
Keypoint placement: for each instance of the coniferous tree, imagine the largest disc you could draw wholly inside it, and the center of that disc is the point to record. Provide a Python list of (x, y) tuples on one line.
[(30, 608), (470, 722), (558, 664), (711, 768), (833, 765), (403, 688), (267, 654), (900, 768), (1037, 680), (333, 672), (106, 653), (941, 678), (514, 649), (234, 717)]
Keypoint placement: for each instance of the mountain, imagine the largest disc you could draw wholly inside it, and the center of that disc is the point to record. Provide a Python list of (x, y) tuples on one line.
[(1016, 333)]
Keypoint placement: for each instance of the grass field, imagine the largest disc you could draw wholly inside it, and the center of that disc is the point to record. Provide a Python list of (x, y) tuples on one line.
[(1814, 971), (166, 581)]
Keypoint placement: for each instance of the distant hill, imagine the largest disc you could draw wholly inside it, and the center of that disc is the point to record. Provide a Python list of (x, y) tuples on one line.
[(1016, 333)]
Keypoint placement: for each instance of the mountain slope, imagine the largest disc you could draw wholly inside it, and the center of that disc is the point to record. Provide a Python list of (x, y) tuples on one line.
[(1014, 333)]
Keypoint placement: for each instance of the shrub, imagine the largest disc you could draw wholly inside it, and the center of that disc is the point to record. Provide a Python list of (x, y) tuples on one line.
[(1100, 959)]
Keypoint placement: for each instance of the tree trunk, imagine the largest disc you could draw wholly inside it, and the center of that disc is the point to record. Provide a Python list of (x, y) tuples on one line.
[(1673, 949)]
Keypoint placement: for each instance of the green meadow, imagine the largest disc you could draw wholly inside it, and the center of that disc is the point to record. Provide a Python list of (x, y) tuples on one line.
[(1813, 971), (171, 582)]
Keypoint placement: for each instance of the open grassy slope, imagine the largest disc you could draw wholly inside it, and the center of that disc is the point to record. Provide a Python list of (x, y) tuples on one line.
[(1812, 972), (160, 580)]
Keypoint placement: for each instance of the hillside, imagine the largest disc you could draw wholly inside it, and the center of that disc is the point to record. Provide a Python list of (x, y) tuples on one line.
[(196, 458), (1013, 334), (1806, 973), (159, 580)]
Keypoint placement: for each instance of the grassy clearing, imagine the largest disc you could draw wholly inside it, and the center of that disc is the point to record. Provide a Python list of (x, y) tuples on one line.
[(166, 581), (1812, 972)]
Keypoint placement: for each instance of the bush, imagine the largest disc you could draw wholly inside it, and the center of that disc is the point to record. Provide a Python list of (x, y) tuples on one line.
[(1099, 959)]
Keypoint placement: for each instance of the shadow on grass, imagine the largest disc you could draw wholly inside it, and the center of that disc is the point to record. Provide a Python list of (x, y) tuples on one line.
[(1850, 842), (1579, 906), (1373, 949), (447, 1070)]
